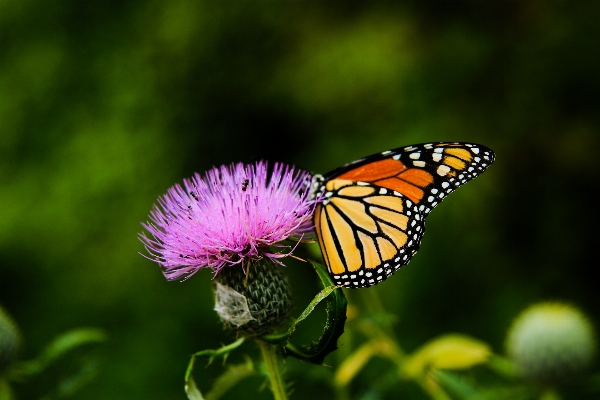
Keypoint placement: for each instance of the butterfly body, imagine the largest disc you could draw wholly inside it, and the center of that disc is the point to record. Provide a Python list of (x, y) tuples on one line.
[(370, 218)]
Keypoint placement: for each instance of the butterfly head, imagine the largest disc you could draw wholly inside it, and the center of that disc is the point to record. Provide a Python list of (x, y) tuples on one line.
[(317, 187)]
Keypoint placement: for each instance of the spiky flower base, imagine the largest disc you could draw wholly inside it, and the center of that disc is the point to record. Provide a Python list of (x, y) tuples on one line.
[(253, 302)]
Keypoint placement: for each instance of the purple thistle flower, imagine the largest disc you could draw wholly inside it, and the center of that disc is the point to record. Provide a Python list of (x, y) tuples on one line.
[(232, 215)]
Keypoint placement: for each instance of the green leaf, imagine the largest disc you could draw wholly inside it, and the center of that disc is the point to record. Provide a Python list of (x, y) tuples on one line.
[(191, 390), (190, 385), (57, 348), (284, 337), (452, 351), (503, 366), (5, 391), (465, 389), (221, 352), (228, 379), (455, 384), (70, 385), (334, 325)]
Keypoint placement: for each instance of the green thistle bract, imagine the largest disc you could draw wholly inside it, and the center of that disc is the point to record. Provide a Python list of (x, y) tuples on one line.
[(252, 303)]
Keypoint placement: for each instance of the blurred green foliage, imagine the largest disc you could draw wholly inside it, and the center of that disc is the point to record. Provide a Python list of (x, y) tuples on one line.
[(103, 106)]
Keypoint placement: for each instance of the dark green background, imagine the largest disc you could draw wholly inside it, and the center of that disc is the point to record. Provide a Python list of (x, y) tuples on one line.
[(104, 105)]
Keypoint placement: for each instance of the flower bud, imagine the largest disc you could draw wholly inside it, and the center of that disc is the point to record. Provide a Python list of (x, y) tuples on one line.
[(551, 342), (255, 301), (9, 339)]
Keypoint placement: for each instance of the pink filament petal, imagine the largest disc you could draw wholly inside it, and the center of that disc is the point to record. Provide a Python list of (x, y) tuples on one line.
[(229, 216)]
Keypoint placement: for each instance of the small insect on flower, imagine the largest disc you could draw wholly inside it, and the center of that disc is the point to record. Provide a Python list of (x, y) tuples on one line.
[(210, 223)]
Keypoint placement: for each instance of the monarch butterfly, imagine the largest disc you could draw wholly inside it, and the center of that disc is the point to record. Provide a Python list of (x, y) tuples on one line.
[(370, 216)]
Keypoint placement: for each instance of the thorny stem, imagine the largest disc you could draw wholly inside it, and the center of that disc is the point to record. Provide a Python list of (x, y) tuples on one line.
[(271, 359)]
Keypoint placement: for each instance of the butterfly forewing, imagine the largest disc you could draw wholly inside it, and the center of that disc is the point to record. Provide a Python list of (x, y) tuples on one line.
[(425, 173), (371, 218)]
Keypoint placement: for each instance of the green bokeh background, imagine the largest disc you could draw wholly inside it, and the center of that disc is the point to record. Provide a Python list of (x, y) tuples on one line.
[(104, 105)]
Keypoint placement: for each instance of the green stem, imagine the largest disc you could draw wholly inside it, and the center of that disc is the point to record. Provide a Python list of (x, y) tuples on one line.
[(5, 392), (271, 359)]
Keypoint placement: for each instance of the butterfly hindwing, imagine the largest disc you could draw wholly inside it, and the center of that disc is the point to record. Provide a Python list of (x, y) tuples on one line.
[(366, 232), (371, 218)]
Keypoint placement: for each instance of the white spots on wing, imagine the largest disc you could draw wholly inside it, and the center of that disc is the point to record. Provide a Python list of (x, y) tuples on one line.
[(443, 170)]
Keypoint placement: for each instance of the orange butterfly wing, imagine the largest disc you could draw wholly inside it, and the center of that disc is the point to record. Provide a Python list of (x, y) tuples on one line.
[(371, 218)]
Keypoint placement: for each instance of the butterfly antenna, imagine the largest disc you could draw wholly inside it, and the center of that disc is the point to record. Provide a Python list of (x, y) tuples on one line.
[(297, 258)]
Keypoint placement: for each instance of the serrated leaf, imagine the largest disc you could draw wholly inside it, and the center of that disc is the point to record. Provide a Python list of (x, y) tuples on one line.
[(282, 338), (224, 351), (334, 325)]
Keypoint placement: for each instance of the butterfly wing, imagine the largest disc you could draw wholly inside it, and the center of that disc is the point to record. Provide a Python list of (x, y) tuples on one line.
[(366, 232), (371, 219)]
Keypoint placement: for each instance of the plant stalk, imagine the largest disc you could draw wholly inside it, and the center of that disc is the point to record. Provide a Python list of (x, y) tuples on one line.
[(271, 359)]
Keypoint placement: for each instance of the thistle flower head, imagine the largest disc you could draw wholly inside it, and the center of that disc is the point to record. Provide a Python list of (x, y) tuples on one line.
[(230, 216)]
